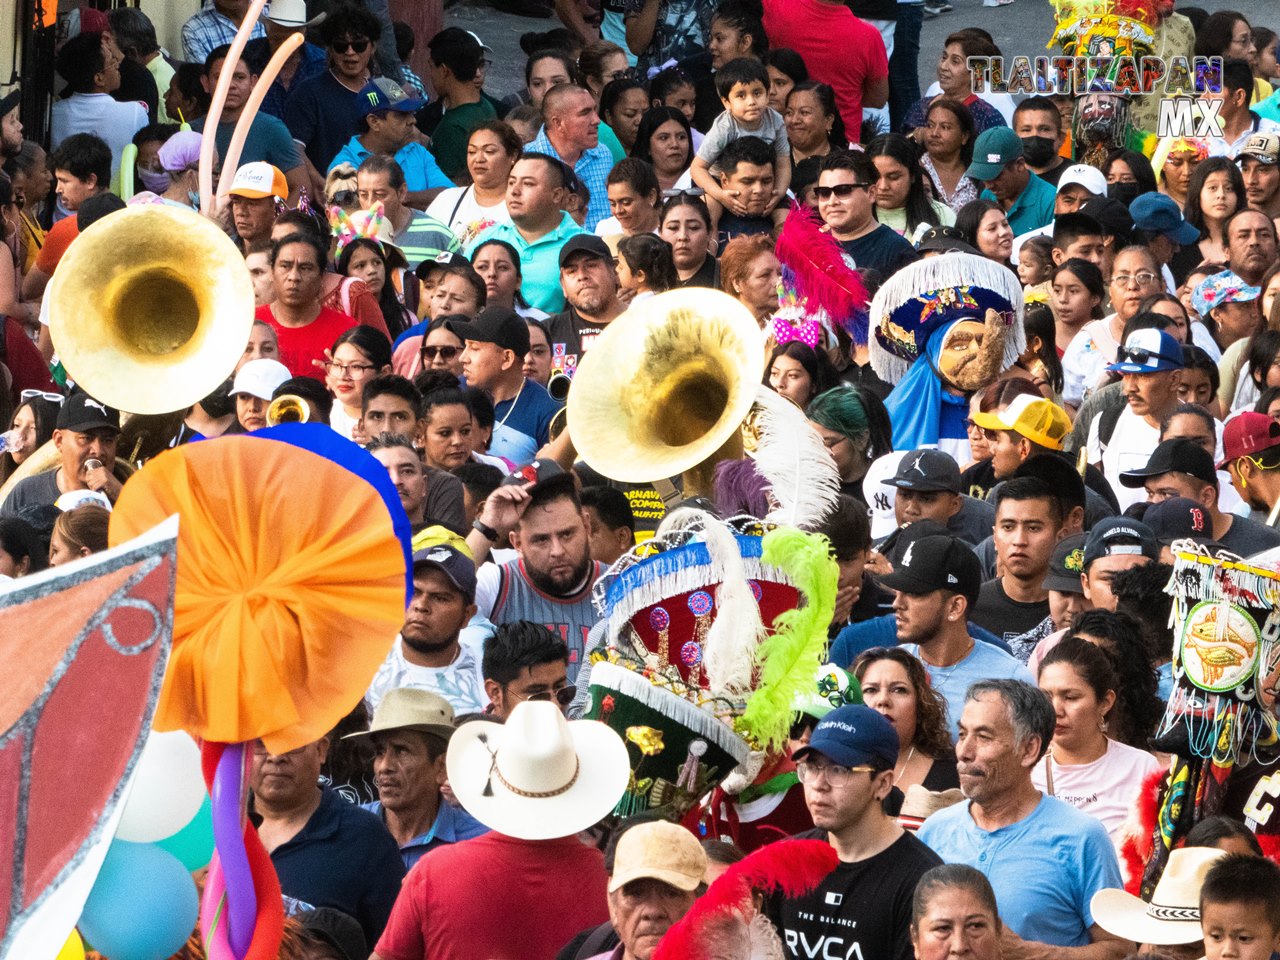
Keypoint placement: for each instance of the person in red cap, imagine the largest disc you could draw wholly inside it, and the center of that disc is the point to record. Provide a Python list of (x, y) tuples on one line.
[(1251, 455)]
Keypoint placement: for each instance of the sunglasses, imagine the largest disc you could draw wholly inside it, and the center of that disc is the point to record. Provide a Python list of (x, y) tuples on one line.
[(839, 190), (26, 395), (561, 695), (686, 192), (1140, 356), (444, 353), (356, 46)]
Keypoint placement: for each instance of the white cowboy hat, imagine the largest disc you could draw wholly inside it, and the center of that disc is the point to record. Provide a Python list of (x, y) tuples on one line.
[(538, 776), (290, 13), (1173, 915)]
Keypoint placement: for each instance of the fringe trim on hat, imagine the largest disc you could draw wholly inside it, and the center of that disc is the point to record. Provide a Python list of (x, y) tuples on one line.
[(922, 278), (702, 722)]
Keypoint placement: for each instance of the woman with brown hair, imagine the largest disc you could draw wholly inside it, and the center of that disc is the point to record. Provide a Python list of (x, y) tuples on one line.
[(78, 533), (894, 683), (750, 272)]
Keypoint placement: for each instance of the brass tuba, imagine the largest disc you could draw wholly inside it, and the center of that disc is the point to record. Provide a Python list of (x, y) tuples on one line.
[(288, 408), (665, 387), (151, 308)]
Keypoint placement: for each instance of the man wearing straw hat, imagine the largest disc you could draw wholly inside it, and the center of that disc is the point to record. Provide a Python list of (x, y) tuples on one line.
[(410, 733), (526, 888)]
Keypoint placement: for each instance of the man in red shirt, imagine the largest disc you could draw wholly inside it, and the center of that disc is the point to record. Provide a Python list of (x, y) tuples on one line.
[(838, 48), (304, 328), (528, 887)]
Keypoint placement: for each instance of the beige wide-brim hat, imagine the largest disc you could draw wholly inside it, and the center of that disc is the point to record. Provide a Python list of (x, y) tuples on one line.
[(538, 776), (407, 708), (1173, 915)]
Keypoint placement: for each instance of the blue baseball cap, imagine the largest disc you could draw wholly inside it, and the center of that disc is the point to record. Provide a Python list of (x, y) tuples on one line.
[(1161, 214), (854, 735), (382, 94), (1148, 351)]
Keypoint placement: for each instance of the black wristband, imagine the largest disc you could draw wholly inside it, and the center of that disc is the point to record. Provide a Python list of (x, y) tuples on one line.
[(485, 530)]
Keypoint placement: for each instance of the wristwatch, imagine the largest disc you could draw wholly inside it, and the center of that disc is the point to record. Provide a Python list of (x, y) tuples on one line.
[(485, 530)]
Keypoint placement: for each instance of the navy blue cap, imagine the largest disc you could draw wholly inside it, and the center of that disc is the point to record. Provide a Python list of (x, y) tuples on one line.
[(1161, 214), (1113, 536), (454, 564), (854, 735)]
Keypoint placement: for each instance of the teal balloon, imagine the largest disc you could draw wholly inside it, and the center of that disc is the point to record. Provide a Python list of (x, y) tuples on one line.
[(143, 906), (193, 844)]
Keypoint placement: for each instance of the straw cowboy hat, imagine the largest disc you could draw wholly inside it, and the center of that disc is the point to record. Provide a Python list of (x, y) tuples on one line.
[(1173, 915), (406, 708), (538, 776)]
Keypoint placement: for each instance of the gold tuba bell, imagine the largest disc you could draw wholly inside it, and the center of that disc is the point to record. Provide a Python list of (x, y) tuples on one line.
[(151, 308), (665, 387), (288, 408)]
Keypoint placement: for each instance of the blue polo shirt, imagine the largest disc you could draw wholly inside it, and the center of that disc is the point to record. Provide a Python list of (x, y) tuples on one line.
[(421, 172), (1034, 207), (451, 825), (343, 858), (539, 261)]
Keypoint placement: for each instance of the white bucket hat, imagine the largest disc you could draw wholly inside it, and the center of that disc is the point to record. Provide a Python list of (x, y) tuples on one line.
[(1173, 915), (538, 776)]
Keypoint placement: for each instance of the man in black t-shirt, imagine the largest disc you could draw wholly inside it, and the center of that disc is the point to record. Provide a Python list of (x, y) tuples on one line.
[(1015, 605), (863, 907), (844, 203), (590, 288)]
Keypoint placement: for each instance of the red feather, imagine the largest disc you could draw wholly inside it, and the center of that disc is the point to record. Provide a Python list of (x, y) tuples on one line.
[(789, 867), (821, 274), (1136, 848)]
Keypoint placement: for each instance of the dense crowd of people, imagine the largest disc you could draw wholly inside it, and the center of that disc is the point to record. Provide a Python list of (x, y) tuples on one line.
[(431, 260)]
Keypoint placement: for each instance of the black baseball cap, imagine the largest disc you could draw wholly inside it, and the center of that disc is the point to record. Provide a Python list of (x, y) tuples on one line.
[(81, 413), (497, 325), (1174, 456), (926, 470), (944, 240), (337, 929), (584, 243), (10, 100), (1180, 518), (1066, 565), (1112, 215), (1114, 536), (937, 563)]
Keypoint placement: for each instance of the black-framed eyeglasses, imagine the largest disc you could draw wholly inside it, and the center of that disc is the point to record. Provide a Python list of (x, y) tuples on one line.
[(444, 353), (356, 46), (561, 695), (839, 190)]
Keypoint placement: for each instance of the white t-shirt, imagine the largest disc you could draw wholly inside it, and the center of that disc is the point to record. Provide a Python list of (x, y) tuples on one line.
[(1107, 789), (458, 207), (1086, 359), (341, 422), (461, 682), (1129, 448)]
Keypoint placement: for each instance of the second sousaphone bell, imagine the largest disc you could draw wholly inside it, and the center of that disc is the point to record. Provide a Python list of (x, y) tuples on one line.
[(666, 385)]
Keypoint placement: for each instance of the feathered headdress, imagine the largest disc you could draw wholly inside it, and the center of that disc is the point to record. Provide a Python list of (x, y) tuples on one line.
[(724, 922), (1098, 28), (819, 278)]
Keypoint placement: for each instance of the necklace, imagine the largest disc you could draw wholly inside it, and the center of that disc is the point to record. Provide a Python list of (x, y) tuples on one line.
[(905, 764), (514, 401), (940, 679), (355, 89)]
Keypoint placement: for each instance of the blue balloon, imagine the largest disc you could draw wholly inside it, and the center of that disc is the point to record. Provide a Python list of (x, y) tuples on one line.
[(143, 905), (193, 844)]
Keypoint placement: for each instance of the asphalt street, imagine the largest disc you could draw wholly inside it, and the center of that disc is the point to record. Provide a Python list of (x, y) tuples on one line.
[(1021, 28)]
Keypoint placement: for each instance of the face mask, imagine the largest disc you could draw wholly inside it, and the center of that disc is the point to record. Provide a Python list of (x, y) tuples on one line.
[(156, 182), (1124, 192), (193, 198), (1038, 151)]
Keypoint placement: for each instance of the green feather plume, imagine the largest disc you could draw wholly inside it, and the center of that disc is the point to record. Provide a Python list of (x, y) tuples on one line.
[(791, 657)]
